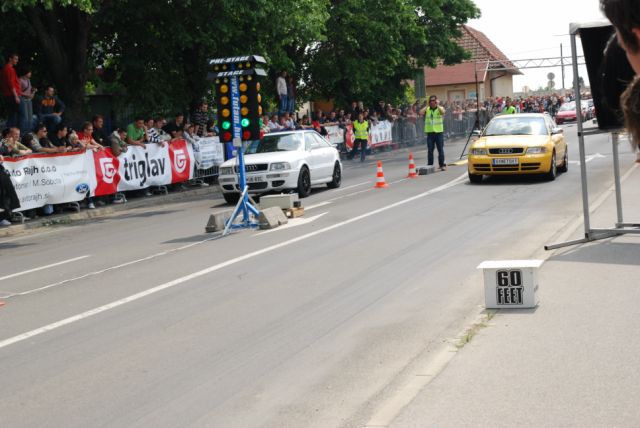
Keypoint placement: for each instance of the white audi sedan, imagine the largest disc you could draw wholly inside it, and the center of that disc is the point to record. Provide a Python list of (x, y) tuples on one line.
[(281, 161)]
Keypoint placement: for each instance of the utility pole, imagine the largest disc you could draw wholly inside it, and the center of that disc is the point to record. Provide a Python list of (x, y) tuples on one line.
[(562, 65)]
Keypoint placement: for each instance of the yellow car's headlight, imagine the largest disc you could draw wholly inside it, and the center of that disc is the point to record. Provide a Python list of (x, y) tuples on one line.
[(478, 152), (536, 150)]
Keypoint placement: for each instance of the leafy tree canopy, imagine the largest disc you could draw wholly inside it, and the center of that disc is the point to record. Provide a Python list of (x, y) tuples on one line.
[(152, 55)]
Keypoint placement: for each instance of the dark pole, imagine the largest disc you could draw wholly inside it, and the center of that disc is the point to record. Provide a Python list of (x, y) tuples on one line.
[(562, 64), (476, 125)]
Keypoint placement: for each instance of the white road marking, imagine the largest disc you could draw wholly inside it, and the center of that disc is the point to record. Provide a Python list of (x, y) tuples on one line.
[(321, 204), (588, 158), (98, 272), (181, 280), (294, 222), (13, 275), (352, 186)]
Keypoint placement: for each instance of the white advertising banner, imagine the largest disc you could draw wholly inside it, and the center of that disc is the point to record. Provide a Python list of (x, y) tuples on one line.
[(336, 134), (208, 152), (142, 167), (381, 134), (50, 179)]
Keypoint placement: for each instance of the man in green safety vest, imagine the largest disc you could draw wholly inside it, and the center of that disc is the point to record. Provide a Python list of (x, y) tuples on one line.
[(361, 133), (434, 128), (508, 108)]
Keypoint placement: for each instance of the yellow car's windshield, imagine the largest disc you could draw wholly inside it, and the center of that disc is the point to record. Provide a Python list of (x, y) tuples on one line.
[(516, 125)]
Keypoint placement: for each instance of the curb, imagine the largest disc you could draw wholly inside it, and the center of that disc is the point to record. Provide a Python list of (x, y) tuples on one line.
[(85, 214)]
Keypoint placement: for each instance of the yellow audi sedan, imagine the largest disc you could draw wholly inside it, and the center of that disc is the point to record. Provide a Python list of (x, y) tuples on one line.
[(529, 143)]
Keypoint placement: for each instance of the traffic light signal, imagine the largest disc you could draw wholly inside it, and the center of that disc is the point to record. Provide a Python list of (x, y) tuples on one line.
[(250, 107), (238, 96), (225, 114)]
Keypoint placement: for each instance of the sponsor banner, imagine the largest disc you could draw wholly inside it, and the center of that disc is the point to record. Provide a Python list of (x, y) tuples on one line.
[(106, 177), (50, 179), (142, 167), (208, 152), (336, 134), (379, 135), (181, 161)]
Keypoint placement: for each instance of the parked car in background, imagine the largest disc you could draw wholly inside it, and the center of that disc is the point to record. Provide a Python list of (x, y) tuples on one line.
[(567, 112), (283, 161)]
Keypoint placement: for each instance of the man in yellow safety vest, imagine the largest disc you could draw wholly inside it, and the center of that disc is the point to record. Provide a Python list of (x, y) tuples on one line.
[(361, 133), (434, 128), (509, 108)]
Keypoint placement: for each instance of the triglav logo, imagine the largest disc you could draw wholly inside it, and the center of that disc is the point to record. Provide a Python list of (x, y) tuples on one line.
[(180, 160), (108, 170)]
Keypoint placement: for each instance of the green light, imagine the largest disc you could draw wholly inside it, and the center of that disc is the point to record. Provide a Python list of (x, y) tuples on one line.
[(226, 125), (245, 122)]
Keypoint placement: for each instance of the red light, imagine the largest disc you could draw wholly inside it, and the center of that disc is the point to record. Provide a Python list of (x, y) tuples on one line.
[(226, 136), (246, 135)]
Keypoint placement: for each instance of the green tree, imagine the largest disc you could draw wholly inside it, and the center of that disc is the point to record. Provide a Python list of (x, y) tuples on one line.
[(372, 46), (61, 30)]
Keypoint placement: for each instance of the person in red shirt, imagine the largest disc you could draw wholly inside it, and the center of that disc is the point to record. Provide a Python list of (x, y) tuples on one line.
[(10, 88)]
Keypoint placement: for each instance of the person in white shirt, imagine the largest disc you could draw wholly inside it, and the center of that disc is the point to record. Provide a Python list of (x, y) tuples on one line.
[(273, 123), (281, 87)]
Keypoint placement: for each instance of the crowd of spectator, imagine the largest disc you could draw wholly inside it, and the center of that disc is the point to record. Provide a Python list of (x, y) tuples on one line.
[(43, 130)]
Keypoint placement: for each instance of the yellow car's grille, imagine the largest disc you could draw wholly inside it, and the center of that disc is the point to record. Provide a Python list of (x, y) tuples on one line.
[(507, 151)]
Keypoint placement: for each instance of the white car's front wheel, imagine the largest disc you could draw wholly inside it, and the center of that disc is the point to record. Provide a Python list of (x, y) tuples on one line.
[(336, 178), (304, 182)]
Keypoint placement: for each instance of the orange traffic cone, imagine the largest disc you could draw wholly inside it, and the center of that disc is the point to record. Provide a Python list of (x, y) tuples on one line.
[(412, 167), (380, 183)]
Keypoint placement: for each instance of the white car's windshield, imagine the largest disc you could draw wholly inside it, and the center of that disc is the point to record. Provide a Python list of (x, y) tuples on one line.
[(568, 107), (276, 143), (515, 125)]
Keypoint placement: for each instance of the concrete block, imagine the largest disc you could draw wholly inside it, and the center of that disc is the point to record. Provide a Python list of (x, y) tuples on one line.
[(271, 218), (424, 170), (283, 201), (217, 222)]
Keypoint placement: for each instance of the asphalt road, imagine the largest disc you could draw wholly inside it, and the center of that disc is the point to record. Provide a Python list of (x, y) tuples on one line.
[(144, 320)]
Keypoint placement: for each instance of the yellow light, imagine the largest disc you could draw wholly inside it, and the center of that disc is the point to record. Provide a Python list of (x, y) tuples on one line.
[(244, 111), (241, 78), (250, 78), (226, 112), (248, 64), (217, 81), (216, 68), (260, 110), (240, 65), (259, 98), (258, 86), (243, 87), (224, 101), (224, 89), (224, 67), (243, 99), (226, 80)]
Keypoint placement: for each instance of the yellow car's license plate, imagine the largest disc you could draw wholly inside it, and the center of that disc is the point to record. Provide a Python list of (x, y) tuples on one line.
[(506, 161)]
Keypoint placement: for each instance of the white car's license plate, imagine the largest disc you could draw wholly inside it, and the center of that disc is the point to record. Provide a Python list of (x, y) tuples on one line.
[(506, 161), (257, 179)]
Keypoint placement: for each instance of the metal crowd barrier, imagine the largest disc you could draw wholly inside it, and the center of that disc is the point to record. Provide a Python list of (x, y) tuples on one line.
[(208, 175)]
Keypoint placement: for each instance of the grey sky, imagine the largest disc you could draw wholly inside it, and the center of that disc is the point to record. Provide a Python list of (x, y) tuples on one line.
[(525, 29)]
